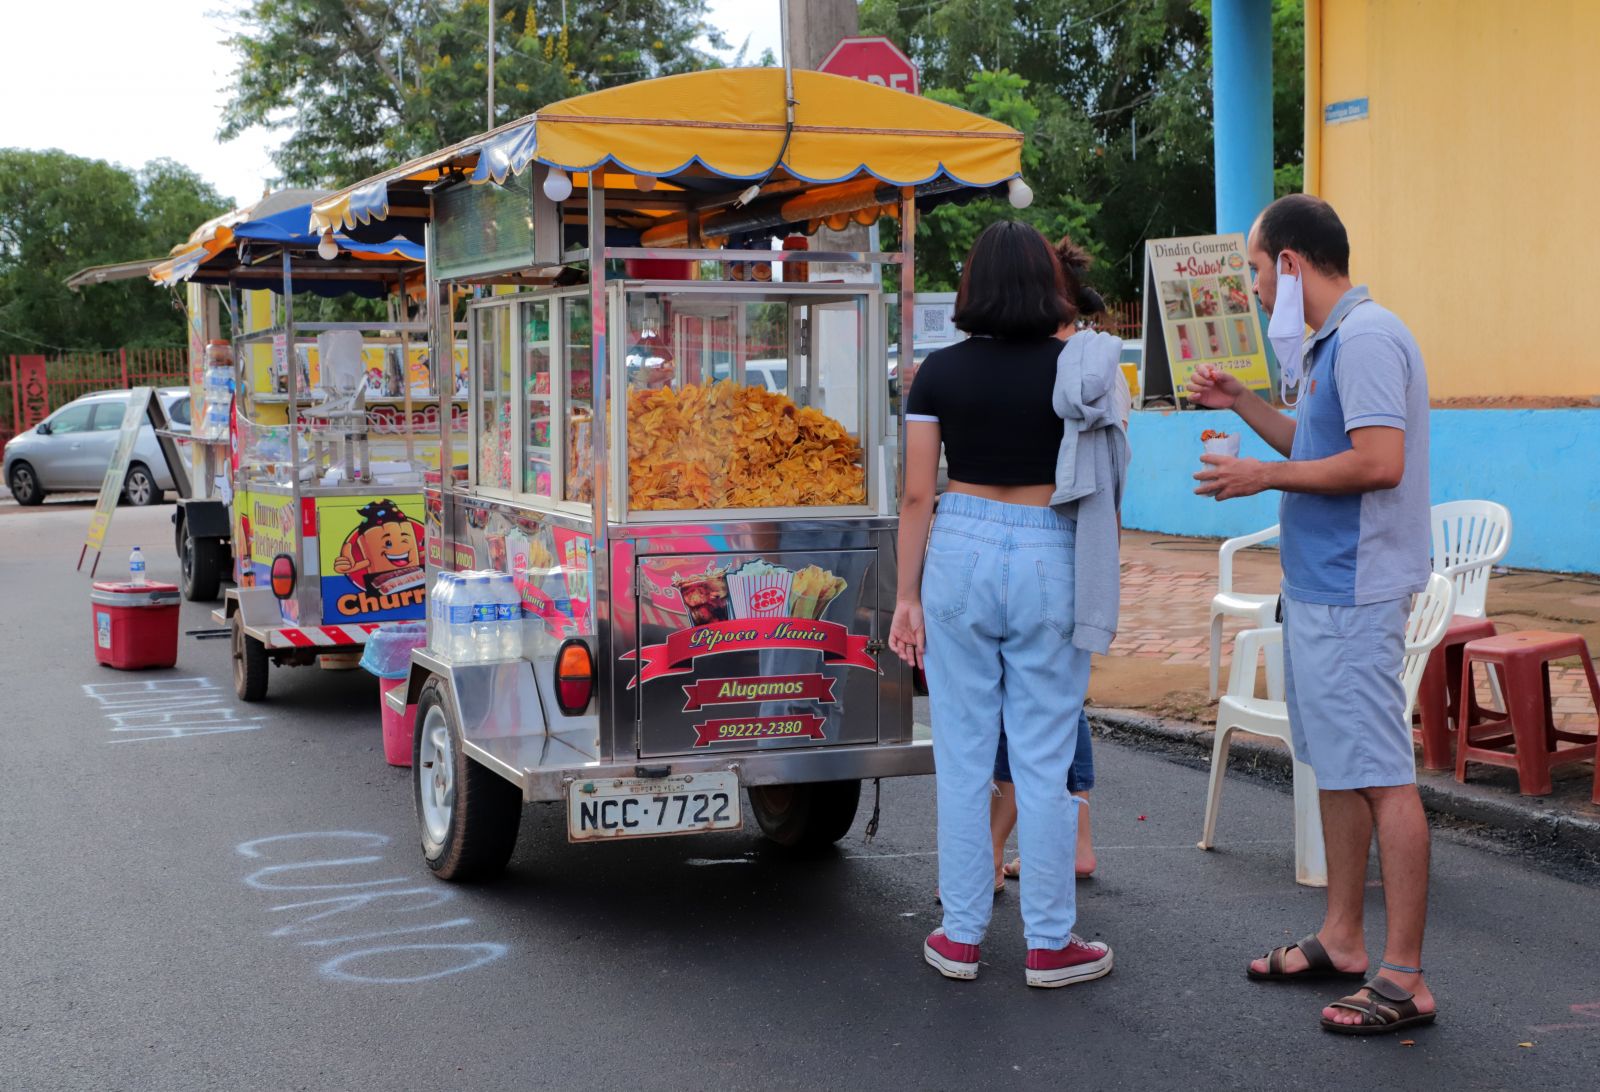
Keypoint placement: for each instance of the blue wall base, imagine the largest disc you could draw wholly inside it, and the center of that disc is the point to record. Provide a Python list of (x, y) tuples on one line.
[(1544, 465)]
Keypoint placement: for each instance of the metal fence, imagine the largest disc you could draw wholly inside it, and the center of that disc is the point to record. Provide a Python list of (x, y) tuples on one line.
[(31, 387), (1126, 320)]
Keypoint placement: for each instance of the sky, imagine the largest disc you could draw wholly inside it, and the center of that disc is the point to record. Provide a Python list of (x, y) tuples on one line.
[(132, 82)]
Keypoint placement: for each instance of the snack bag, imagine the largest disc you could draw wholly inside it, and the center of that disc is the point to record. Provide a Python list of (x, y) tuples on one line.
[(759, 589), (1220, 443), (812, 590)]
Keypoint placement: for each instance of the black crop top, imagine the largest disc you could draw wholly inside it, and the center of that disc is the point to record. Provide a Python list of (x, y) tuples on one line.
[(991, 399)]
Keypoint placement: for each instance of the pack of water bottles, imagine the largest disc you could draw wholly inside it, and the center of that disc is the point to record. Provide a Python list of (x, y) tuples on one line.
[(475, 617)]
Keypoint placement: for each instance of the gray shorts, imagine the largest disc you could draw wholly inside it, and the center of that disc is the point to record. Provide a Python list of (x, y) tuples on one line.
[(1341, 674)]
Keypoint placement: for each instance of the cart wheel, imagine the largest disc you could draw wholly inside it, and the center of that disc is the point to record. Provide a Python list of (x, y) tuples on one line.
[(811, 816), (201, 561), (468, 815), (249, 664)]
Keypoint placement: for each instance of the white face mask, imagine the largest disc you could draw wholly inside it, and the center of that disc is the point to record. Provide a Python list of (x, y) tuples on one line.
[(1287, 332)]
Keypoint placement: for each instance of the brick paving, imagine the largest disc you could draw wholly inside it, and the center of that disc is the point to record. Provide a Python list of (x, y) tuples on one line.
[(1166, 602)]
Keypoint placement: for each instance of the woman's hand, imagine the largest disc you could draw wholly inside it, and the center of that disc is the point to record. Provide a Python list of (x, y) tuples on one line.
[(1215, 388), (907, 637)]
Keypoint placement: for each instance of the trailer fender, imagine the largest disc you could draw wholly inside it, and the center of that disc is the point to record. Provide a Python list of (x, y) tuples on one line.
[(206, 518)]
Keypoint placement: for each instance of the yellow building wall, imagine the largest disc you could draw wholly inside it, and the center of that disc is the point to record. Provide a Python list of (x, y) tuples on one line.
[(1472, 190)]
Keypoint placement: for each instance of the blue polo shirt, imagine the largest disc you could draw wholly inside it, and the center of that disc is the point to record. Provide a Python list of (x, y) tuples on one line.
[(1363, 368)]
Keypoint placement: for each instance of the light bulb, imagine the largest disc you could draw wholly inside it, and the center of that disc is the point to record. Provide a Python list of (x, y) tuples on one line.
[(1019, 194), (327, 249), (644, 183), (557, 185)]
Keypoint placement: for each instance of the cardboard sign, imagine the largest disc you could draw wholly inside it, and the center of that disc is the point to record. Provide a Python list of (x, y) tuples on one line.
[(1199, 309), (142, 409), (371, 554)]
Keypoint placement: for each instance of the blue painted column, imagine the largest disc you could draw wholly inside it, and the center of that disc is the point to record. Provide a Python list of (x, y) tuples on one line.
[(1241, 82)]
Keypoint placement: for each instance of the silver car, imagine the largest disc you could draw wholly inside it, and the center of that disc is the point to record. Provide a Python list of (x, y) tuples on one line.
[(71, 449)]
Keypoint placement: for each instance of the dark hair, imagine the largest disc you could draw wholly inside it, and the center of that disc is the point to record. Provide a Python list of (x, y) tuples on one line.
[(1011, 285), (1308, 226), (1075, 262)]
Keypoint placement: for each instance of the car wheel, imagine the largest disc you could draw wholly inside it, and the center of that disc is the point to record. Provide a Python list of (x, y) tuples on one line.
[(140, 488), (24, 485)]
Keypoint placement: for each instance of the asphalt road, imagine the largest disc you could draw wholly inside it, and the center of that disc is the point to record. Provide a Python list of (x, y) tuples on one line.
[(241, 905)]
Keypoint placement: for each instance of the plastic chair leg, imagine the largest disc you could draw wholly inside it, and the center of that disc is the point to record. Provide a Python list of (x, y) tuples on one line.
[(1219, 766), (1310, 854), (1216, 652)]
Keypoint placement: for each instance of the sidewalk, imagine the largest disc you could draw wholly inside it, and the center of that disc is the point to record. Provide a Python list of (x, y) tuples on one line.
[(1152, 686)]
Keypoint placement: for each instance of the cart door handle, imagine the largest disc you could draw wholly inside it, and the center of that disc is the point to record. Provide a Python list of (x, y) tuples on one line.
[(876, 645)]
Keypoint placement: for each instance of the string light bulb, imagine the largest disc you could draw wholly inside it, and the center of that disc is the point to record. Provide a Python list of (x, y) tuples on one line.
[(644, 183), (557, 185), (1019, 193), (327, 249)]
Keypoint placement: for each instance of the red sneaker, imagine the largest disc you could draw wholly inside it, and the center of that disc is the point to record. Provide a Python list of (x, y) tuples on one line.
[(1079, 961), (949, 958)]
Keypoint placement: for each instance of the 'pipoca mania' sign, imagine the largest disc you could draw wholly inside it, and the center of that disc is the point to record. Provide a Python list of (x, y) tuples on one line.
[(677, 654), (761, 688)]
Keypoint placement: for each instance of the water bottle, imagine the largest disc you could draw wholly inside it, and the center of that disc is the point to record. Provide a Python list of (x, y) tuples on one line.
[(508, 604), (461, 650), (485, 620), (136, 566), (439, 615)]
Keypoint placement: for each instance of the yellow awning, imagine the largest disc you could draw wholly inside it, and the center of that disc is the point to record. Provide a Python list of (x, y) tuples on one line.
[(729, 122)]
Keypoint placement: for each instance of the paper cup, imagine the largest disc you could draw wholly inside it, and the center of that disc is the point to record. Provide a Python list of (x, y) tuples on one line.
[(1224, 445)]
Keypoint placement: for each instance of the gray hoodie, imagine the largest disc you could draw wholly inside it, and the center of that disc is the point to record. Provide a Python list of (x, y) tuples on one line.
[(1091, 469)]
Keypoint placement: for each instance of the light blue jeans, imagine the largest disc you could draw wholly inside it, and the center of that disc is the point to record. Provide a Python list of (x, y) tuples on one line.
[(997, 600)]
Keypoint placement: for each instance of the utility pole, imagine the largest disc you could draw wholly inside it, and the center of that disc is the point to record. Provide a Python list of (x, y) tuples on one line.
[(490, 124), (815, 27)]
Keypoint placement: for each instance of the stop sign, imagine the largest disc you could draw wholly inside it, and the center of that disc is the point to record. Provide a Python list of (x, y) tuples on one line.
[(876, 60)]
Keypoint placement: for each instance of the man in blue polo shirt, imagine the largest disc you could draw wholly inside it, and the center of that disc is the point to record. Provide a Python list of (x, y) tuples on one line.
[(1355, 548)]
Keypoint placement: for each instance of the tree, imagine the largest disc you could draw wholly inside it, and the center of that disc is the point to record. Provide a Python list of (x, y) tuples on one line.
[(1118, 125), (60, 213), (360, 85)]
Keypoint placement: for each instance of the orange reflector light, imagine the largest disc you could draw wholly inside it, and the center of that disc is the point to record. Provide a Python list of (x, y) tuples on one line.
[(574, 677), (283, 576)]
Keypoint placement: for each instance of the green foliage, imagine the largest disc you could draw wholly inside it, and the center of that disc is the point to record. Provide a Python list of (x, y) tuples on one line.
[(1115, 101), (360, 85), (60, 213)]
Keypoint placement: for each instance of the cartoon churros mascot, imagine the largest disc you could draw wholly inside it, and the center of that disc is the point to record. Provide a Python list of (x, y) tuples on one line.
[(383, 555)]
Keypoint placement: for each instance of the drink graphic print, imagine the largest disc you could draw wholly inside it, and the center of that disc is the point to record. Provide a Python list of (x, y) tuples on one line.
[(372, 559)]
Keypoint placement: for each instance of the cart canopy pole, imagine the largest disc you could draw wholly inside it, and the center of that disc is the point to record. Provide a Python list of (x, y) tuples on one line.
[(908, 300), (600, 374), (292, 364)]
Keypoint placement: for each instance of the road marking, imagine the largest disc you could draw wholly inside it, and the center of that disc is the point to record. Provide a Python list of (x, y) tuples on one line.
[(169, 708), (1097, 849), (385, 964)]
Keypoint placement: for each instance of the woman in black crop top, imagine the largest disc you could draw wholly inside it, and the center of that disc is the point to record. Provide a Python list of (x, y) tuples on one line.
[(985, 602)]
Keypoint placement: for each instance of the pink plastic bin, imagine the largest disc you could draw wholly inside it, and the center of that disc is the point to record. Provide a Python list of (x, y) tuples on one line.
[(397, 727)]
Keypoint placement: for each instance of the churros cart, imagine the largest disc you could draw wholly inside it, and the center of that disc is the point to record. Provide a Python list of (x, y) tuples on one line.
[(680, 450), (312, 439)]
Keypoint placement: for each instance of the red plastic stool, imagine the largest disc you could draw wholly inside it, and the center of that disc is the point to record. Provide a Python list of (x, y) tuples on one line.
[(1439, 691), (1524, 663)]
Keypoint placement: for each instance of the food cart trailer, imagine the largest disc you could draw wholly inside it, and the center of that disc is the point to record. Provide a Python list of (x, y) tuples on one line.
[(310, 438), (680, 449)]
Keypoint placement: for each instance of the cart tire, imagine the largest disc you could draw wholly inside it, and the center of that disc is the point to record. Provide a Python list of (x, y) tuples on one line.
[(139, 489), (249, 663), (24, 485), (468, 816), (805, 817), (201, 561)]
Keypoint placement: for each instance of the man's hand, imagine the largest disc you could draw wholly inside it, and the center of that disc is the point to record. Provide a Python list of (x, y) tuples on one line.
[(1226, 478), (1215, 388)]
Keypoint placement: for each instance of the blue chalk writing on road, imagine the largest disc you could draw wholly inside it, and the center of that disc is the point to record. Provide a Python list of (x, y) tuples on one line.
[(368, 910)]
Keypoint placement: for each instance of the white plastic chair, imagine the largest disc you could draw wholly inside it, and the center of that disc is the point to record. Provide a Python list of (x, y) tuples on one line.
[(1469, 538), (1258, 610), (1241, 711)]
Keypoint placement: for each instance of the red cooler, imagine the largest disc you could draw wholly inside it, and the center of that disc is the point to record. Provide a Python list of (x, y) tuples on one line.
[(134, 625)]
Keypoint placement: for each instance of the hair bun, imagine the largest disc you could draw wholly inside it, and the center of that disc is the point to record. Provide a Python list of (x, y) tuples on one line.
[(1088, 301)]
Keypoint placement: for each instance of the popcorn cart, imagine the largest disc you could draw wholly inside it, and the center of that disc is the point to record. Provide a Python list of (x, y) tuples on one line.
[(681, 451), (311, 439)]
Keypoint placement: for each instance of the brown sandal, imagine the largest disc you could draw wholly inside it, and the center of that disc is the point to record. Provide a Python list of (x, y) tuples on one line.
[(1385, 1008), (1318, 964)]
